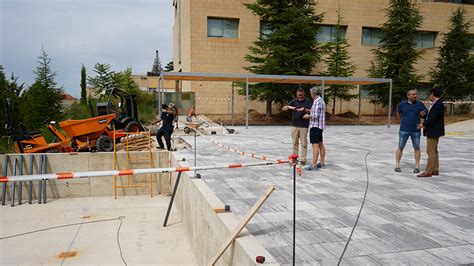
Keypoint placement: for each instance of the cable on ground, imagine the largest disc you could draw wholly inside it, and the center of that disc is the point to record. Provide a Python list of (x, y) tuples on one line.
[(73, 224)]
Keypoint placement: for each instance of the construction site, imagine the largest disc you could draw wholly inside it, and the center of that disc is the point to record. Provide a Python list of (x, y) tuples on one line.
[(230, 195), (213, 158)]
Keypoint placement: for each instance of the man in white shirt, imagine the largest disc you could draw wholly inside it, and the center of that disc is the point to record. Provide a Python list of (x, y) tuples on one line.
[(317, 123)]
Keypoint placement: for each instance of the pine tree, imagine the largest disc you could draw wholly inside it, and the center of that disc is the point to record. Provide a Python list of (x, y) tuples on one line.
[(42, 101), (290, 49), (397, 54), (43, 72), (455, 64), (125, 81), (170, 66), (9, 88), (338, 65), (104, 79), (157, 68), (83, 85)]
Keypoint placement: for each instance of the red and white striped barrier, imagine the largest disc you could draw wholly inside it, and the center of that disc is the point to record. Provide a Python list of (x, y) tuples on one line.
[(231, 149), (242, 153), (59, 176)]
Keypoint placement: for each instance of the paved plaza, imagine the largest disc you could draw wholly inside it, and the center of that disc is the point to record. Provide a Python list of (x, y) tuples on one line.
[(405, 220)]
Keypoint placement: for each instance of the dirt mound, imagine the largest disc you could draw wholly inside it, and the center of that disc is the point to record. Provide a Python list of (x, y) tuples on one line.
[(347, 115)]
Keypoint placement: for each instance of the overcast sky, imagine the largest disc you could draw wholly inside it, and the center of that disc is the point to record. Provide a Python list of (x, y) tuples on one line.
[(74, 32)]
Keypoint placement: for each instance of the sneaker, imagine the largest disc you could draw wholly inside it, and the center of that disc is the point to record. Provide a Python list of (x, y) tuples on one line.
[(303, 163), (416, 170), (398, 170), (309, 167), (321, 165)]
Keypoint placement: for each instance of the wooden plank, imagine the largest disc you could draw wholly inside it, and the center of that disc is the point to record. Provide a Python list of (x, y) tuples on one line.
[(219, 210), (241, 226)]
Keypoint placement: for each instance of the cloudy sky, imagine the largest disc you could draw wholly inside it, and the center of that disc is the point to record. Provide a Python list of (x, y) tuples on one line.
[(121, 33)]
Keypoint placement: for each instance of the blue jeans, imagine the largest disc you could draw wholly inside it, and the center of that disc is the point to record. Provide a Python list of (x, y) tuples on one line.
[(403, 138)]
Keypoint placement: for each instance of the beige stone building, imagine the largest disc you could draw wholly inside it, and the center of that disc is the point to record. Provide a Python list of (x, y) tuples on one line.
[(214, 36)]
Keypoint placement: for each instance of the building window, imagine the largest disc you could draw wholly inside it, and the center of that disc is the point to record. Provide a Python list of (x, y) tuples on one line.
[(265, 29), (371, 36), (426, 40), (328, 33), (223, 27)]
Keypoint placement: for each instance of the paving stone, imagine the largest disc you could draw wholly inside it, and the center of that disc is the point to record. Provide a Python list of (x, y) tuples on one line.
[(405, 220)]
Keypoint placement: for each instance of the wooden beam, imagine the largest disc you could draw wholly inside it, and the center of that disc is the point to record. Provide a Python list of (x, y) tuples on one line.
[(233, 235)]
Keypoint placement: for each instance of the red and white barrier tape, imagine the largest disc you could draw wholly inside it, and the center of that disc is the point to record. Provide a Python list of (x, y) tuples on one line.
[(59, 176), (247, 154), (231, 149)]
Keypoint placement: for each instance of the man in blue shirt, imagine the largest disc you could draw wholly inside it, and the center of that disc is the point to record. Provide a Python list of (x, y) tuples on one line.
[(409, 113)]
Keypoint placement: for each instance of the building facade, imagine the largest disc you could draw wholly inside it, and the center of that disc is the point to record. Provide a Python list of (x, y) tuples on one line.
[(214, 36)]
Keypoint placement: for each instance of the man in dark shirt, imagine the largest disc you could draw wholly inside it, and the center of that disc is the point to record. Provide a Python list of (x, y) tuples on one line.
[(299, 106), (409, 113), (166, 130), (433, 128)]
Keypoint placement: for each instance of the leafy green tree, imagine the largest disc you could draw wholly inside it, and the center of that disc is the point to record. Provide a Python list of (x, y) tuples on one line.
[(338, 65), (9, 88), (83, 85), (455, 64), (289, 49), (104, 79), (170, 66), (125, 81), (157, 68), (42, 101), (397, 54)]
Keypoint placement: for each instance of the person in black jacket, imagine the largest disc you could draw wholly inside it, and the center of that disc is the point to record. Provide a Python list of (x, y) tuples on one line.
[(433, 128)]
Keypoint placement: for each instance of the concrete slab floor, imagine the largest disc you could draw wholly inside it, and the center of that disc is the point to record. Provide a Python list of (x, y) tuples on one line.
[(405, 220), (143, 240)]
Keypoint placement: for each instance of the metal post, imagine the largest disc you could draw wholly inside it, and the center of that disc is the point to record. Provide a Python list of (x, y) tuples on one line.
[(163, 87), (13, 184), (20, 191), (233, 103), (389, 104), (5, 173), (294, 212), (158, 90), (246, 102), (358, 113), (172, 199), (44, 180), (323, 85), (30, 187), (195, 148), (40, 166)]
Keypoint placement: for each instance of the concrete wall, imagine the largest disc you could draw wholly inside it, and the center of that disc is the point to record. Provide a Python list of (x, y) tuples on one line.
[(95, 186), (208, 230)]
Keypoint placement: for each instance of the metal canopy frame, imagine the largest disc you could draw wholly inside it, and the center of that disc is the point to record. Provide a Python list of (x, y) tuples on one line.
[(281, 79)]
